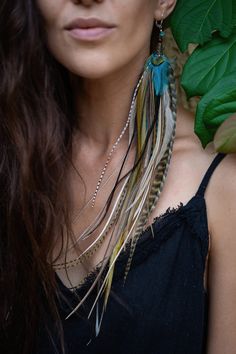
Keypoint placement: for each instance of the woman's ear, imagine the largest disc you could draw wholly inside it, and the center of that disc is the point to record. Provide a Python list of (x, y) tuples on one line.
[(164, 9)]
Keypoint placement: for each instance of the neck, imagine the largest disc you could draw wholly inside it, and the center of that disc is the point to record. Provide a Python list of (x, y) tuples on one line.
[(103, 105)]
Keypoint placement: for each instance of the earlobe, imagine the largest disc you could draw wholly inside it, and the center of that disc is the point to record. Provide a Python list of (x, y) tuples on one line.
[(164, 9)]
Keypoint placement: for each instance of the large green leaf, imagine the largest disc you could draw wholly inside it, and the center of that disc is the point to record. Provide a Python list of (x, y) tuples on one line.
[(193, 21), (225, 137), (215, 106), (208, 64)]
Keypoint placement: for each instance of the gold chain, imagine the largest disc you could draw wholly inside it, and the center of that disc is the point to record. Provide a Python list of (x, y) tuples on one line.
[(87, 254)]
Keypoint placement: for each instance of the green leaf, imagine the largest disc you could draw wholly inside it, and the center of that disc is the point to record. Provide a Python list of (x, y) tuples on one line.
[(215, 107), (194, 21), (225, 137), (208, 64)]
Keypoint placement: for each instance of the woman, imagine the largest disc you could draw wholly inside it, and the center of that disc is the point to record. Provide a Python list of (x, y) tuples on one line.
[(80, 102)]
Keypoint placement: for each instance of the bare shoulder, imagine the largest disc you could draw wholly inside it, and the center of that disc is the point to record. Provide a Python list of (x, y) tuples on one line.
[(222, 194), (222, 258), (221, 205)]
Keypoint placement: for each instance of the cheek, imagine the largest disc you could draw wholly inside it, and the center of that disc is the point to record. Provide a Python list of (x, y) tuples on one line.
[(50, 10)]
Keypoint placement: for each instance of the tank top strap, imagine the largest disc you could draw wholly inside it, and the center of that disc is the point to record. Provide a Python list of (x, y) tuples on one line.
[(202, 188)]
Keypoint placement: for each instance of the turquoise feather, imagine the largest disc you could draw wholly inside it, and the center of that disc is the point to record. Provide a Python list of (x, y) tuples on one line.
[(160, 68)]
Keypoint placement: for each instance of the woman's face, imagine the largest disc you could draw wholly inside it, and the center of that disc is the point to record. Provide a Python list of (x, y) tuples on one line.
[(94, 38)]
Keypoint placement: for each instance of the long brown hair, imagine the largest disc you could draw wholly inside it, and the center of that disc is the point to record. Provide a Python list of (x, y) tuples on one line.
[(36, 124)]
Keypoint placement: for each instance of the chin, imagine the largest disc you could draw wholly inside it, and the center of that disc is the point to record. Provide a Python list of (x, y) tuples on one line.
[(91, 73), (93, 70)]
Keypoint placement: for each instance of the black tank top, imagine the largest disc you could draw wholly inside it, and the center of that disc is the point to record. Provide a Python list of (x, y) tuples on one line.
[(162, 308)]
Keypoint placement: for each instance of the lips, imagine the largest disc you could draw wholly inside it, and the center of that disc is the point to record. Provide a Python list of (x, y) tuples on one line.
[(89, 29), (83, 23)]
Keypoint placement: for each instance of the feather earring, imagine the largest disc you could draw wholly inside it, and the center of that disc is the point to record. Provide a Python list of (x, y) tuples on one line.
[(153, 125), (157, 98), (155, 129)]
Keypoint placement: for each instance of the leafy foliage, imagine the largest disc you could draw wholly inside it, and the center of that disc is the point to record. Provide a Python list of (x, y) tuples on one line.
[(215, 106), (210, 71), (208, 64), (194, 21)]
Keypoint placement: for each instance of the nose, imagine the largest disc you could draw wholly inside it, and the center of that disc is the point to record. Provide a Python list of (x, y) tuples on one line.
[(87, 2)]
